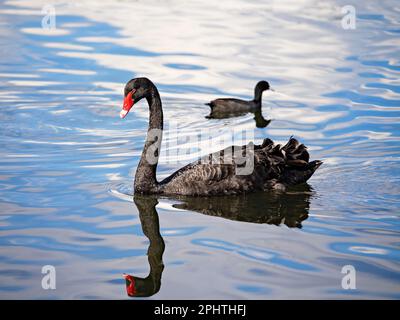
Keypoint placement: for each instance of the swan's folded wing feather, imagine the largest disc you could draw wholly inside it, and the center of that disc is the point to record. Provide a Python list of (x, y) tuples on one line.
[(199, 171), (217, 173), (213, 174)]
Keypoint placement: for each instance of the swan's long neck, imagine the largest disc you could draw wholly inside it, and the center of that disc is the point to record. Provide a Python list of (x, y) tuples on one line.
[(145, 178)]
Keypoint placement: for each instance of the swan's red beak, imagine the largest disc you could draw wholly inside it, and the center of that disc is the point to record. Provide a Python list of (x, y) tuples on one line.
[(130, 285), (128, 103)]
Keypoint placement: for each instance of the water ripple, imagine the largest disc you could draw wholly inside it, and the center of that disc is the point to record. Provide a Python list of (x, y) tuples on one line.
[(67, 161)]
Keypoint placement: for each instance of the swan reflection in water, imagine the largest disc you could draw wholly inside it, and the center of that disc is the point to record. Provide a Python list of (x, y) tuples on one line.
[(289, 208), (146, 287)]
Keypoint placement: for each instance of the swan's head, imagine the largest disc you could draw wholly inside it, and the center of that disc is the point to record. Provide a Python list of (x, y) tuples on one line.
[(135, 90), (262, 86), (130, 285), (141, 287)]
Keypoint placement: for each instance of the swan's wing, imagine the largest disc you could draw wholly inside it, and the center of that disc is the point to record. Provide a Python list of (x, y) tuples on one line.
[(200, 171), (220, 172), (215, 173)]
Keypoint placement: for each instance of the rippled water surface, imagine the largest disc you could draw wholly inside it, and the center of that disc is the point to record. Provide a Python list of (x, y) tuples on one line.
[(67, 160)]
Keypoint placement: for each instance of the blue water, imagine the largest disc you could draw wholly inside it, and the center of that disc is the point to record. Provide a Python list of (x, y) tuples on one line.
[(67, 161)]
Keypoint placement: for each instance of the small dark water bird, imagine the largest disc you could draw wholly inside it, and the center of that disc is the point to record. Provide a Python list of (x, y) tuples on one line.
[(226, 172), (230, 107)]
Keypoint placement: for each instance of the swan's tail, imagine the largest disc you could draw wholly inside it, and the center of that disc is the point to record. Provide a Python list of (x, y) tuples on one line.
[(298, 166), (292, 161), (295, 152)]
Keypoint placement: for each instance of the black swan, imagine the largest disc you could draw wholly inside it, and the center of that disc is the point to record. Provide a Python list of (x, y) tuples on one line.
[(227, 172), (229, 107)]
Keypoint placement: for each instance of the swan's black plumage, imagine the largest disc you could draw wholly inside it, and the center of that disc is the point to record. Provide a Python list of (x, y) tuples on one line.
[(274, 166)]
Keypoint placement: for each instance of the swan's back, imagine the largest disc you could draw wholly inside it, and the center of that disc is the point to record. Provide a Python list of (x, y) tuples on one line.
[(219, 173)]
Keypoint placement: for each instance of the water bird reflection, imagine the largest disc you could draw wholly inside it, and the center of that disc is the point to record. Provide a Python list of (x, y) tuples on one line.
[(275, 208), (259, 119)]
